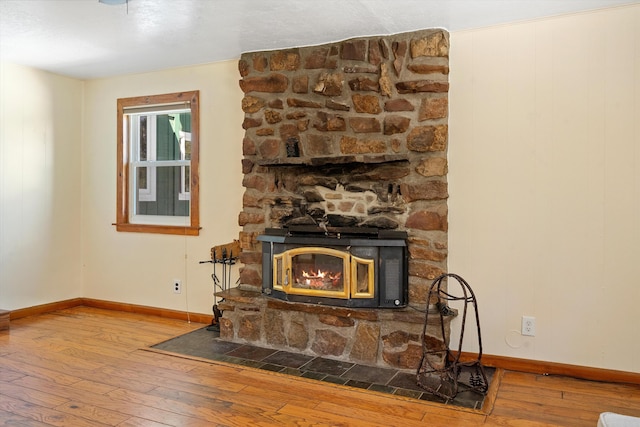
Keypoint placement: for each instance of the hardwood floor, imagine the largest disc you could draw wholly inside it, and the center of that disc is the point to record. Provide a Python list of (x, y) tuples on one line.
[(88, 367)]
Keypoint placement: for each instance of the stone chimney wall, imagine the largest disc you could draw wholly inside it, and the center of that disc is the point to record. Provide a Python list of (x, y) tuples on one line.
[(352, 133)]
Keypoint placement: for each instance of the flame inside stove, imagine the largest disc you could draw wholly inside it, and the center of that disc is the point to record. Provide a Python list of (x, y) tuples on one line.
[(320, 280)]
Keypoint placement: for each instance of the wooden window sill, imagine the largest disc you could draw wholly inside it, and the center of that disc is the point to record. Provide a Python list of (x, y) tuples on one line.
[(158, 229)]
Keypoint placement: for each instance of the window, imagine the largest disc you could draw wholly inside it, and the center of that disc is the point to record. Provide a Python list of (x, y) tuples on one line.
[(158, 164)]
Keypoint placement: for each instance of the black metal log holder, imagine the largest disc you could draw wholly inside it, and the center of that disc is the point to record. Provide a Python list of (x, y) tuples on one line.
[(440, 371)]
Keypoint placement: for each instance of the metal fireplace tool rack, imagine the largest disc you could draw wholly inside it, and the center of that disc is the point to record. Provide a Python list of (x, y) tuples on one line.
[(226, 255), (440, 371)]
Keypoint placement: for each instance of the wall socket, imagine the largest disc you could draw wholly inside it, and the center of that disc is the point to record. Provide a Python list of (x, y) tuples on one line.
[(177, 287), (528, 326)]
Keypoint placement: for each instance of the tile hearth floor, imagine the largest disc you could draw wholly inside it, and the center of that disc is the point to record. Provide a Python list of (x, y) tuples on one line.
[(206, 344)]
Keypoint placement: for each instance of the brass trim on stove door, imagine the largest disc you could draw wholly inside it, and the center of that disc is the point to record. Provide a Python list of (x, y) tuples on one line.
[(287, 281), (369, 265), (279, 272)]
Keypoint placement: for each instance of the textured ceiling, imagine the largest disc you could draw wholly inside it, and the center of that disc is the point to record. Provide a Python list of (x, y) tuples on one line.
[(87, 39)]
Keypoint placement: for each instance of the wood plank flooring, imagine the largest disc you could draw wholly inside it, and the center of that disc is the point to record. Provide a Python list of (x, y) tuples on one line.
[(89, 367)]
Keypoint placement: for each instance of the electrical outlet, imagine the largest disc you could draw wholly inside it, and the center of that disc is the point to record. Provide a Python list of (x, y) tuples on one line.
[(529, 326), (177, 287)]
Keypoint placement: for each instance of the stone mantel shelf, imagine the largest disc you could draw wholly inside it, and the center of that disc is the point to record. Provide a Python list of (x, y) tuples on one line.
[(334, 160)]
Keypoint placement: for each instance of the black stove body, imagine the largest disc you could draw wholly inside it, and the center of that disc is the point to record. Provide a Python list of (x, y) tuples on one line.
[(344, 267)]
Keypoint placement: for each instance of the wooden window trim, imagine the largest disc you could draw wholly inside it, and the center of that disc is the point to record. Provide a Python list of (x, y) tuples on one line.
[(122, 192)]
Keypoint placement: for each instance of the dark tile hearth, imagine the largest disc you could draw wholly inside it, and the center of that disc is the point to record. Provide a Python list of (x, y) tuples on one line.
[(206, 344)]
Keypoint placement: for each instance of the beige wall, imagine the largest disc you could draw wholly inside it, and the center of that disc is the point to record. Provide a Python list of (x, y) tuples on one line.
[(40, 143), (544, 163), (138, 268), (544, 173)]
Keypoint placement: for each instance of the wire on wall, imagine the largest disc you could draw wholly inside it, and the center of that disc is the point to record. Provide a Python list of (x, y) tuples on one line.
[(186, 279)]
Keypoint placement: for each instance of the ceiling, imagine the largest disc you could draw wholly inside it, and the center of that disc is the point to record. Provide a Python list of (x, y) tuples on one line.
[(86, 39)]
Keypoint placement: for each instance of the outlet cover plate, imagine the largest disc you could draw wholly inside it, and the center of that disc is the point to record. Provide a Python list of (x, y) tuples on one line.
[(528, 326), (177, 287)]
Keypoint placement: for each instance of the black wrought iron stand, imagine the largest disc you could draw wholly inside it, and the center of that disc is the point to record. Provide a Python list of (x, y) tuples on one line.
[(440, 371), (227, 255)]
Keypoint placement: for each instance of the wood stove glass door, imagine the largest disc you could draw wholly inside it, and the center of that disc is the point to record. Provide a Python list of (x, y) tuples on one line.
[(315, 271)]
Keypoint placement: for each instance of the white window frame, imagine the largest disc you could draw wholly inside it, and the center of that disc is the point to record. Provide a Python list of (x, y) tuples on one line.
[(184, 178), (147, 194), (152, 164)]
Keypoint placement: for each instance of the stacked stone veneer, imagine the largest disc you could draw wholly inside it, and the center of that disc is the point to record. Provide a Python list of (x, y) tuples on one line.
[(352, 133)]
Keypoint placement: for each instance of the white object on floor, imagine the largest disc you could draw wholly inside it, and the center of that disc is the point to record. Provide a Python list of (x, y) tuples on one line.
[(609, 419)]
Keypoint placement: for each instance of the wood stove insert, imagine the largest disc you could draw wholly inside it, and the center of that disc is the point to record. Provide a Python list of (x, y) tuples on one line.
[(337, 266)]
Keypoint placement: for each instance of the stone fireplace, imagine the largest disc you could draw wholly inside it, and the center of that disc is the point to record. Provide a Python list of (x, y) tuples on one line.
[(348, 135)]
